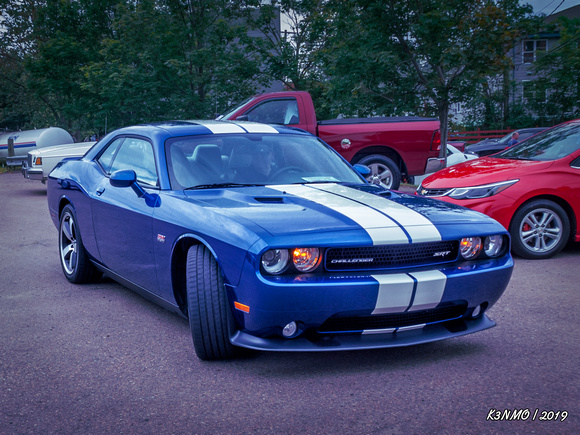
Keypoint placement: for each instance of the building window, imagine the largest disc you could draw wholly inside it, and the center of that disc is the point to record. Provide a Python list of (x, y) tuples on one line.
[(533, 49)]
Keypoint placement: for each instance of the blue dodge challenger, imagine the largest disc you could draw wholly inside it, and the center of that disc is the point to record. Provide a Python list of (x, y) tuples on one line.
[(265, 238)]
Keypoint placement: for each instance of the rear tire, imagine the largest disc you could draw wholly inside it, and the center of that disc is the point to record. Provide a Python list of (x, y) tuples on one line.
[(210, 319), (384, 171), (74, 260)]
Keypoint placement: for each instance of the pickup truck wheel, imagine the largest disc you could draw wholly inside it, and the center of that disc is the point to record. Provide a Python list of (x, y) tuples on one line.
[(383, 171), (540, 229), (74, 260), (210, 318)]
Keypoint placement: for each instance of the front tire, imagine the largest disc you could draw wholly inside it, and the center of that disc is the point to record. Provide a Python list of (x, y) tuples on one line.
[(74, 259), (210, 318), (540, 229), (384, 171)]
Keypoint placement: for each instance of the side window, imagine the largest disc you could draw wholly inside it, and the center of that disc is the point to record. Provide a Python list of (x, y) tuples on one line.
[(106, 159), (276, 112), (130, 153)]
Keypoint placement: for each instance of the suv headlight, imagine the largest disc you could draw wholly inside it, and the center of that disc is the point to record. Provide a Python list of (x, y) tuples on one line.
[(480, 191)]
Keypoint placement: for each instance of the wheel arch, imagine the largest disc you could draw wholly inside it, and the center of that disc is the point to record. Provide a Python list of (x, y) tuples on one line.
[(382, 150), (64, 201), (556, 199), (179, 266)]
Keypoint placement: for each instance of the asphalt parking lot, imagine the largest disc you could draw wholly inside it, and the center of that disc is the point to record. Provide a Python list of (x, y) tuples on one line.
[(99, 359)]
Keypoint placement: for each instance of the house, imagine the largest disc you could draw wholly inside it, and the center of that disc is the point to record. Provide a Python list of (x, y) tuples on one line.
[(525, 53)]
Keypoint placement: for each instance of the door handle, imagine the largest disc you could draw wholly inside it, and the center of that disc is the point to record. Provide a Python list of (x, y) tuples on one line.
[(100, 191)]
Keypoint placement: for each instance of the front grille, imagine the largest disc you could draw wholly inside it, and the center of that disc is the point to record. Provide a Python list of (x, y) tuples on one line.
[(432, 192), (391, 256), (393, 320)]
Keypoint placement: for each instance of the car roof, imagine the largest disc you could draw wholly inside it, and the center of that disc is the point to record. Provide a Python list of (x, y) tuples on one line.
[(198, 127)]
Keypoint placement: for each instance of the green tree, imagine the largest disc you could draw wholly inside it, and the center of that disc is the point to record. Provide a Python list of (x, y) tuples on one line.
[(16, 108), (47, 43), (440, 50), (173, 59)]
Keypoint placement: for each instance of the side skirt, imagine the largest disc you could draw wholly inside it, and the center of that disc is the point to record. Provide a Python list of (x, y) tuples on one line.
[(139, 290)]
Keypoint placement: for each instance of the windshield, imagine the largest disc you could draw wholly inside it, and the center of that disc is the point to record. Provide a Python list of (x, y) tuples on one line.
[(230, 111), (230, 160), (552, 144)]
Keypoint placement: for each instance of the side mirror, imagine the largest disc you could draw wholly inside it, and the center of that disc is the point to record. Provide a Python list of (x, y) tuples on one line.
[(127, 178), (365, 171), (242, 118), (123, 178)]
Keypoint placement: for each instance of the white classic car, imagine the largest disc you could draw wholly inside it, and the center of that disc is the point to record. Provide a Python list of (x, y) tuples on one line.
[(41, 161), (454, 156)]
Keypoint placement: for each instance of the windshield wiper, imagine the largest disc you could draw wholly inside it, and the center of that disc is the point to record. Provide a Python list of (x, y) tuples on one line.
[(220, 185)]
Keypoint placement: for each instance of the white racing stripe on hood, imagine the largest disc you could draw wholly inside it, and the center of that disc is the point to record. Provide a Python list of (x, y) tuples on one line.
[(380, 228), (419, 228)]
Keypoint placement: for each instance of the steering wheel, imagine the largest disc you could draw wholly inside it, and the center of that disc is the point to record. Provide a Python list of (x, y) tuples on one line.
[(287, 169)]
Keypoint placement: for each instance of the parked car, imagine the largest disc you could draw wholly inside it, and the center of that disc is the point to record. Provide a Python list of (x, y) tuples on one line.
[(492, 146), (40, 162), (392, 147), (265, 238), (454, 156), (532, 189)]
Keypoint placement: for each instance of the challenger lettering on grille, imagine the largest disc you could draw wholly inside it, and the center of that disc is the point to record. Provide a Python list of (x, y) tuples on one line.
[(391, 256), (352, 260)]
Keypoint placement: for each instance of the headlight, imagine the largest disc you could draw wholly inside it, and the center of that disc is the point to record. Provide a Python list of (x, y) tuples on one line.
[(470, 247), (480, 191), (490, 247), (493, 246), (275, 261), (296, 260), (306, 259)]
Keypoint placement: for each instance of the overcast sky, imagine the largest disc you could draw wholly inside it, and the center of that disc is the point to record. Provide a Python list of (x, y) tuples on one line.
[(548, 7)]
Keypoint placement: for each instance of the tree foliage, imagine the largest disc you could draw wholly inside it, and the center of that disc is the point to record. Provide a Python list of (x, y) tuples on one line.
[(93, 65), (431, 52), (89, 66)]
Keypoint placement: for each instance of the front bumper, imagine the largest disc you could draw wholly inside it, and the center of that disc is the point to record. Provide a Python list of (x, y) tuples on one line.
[(360, 310), (379, 340), (32, 174)]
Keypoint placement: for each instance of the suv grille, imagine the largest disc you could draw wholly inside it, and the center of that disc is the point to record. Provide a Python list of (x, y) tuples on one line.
[(391, 256), (394, 320)]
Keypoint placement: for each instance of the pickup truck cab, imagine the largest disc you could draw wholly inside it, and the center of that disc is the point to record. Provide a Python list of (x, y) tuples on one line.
[(392, 147)]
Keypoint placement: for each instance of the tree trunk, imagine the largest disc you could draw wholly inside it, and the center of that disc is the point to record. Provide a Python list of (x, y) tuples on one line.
[(443, 108)]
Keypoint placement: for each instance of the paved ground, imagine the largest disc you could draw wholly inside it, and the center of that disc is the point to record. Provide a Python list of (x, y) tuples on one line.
[(99, 359)]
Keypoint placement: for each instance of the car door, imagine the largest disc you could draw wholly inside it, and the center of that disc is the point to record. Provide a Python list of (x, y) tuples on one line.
[(123, 221)]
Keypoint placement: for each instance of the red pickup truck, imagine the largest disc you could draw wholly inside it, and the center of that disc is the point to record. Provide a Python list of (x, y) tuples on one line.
[(391, 147)]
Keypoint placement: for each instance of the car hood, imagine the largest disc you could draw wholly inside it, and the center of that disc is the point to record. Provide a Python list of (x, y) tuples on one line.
[(482, 146), (482, 171), (66, 150), (384, 216)]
